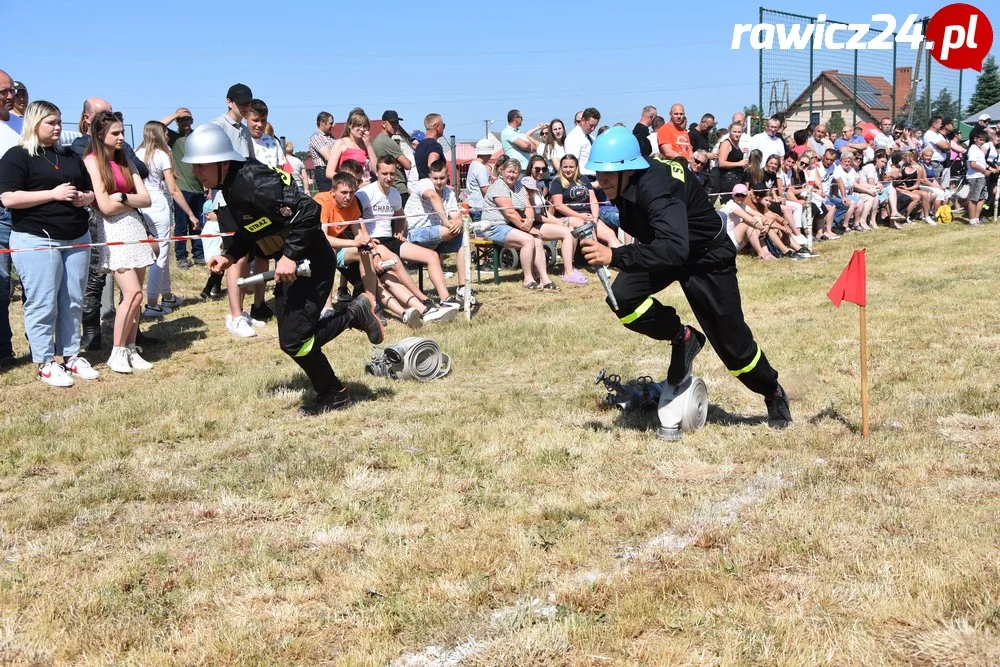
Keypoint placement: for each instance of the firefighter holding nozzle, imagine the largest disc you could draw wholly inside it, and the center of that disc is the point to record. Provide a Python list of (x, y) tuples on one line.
[(680, 237)]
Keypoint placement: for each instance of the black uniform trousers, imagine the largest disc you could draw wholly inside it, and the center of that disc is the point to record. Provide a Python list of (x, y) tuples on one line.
[(298, 305), (96, 281), (711, 288)]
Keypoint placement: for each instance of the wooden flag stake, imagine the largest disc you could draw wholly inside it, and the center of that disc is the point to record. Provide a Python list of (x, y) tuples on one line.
[(864, 373)]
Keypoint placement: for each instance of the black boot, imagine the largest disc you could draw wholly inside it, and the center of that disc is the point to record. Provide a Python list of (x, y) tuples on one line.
[(685, 347), (779, 415), (91, 338)]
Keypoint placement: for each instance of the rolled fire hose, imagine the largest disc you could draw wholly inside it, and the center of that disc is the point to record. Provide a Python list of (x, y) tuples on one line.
[(412, 358)]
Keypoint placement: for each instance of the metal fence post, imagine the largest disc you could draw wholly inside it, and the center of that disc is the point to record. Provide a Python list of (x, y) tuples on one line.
[(854, 92), (960, 113), (454, 165), (812, 77), (760, 69), (894, 83)]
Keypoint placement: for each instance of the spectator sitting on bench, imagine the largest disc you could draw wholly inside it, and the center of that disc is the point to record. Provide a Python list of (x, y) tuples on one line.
[(549, 226), (339, 205), (433, 220), (382, 209), (508, 221), (574, 201)]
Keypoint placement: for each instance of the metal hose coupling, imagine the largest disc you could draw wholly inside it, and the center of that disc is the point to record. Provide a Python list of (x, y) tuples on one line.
[(412, 358)]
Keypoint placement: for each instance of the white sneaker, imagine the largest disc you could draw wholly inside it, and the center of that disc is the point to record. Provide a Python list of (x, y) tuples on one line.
[(239, 327), (135, 361), (155, 312), (80, 367), (930, 221), (54, 375), (412, 318), (118, 361), (440, 314), (974, 221), (171, 301), (256, 324)]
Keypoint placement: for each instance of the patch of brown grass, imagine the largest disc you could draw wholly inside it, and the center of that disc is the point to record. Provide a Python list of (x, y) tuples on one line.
[(498, 516)]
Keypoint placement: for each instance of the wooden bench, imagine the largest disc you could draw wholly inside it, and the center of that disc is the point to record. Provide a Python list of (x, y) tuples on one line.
[(484, 250)]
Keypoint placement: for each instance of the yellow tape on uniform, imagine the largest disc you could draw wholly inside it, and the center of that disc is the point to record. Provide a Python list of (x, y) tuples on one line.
[(749, 367), (306, 347), (638, 312)]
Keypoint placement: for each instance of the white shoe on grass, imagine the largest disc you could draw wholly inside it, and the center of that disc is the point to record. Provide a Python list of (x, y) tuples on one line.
[(239, 327), (81, 368), (118, 361), (54, 375), (135, 361), (412, 318), (256, 324), (155, 312), (171, 301)]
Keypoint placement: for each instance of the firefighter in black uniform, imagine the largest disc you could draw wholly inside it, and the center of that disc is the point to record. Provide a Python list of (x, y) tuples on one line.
[(680, 237), (264, 207)]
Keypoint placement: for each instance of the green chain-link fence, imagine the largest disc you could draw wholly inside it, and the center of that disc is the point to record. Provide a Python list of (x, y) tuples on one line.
[(820, 85)]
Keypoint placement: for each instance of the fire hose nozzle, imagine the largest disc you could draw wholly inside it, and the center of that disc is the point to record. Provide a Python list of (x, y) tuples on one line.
[(303, 270), (586, 231)]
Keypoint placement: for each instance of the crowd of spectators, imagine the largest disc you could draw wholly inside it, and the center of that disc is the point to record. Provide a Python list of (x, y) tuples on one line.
[(526, 190)]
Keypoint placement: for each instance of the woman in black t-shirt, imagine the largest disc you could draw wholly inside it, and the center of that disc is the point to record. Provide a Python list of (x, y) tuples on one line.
[(732, 161), (574, 201), (46, 188)]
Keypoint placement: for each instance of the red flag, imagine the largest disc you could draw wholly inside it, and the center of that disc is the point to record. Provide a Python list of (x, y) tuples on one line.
[(851, 285)]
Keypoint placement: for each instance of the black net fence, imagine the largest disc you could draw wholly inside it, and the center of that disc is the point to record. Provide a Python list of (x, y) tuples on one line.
[(815, 84)]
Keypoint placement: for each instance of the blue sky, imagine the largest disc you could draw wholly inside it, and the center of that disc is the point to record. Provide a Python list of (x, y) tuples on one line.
[(467, 61)]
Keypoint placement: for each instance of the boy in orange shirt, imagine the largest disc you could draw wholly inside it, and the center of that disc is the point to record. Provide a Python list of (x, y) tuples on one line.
[(354, 248)]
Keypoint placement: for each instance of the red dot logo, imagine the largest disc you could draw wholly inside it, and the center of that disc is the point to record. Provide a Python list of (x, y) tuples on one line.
[(959, 36)]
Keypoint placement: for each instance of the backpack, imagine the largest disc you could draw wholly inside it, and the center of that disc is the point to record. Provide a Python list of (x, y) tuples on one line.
[(943, 213)]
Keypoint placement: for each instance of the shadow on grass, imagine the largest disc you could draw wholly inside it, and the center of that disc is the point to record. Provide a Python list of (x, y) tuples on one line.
[(173, 336), (831, 412), (300, 382), (647, 420), (721, 416)]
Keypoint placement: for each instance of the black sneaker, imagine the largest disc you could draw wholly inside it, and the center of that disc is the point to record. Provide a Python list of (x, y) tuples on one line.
[(261, 312), (805, 253), (779, 415), (364, 317), (682, 356), (790, 254), (328, 402)]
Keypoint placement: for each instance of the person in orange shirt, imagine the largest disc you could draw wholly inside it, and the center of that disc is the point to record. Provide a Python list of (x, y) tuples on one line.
[(673, 138), (357, 252)]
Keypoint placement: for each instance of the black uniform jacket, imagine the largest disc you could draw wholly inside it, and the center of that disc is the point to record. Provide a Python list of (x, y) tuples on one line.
[(667, 211), (265, 202)]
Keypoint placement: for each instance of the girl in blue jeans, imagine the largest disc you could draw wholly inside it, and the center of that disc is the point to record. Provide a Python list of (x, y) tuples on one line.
[(46, 189)]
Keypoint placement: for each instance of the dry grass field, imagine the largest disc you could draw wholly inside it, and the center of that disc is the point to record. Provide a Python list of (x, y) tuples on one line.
[(501, 517)]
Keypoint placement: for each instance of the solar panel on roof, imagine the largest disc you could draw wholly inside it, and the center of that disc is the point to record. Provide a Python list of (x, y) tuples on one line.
[(867, 93)]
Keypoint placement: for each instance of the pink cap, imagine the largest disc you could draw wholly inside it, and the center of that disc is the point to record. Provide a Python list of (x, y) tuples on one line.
[(739, 189)]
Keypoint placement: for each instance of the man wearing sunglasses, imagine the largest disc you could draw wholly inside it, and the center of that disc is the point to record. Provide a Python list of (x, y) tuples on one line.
[(189, 185), (699, 165)]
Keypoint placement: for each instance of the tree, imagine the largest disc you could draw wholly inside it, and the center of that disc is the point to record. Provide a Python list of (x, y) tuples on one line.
[(835, 124), (945, 106), (987, 91), (755, 121)]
